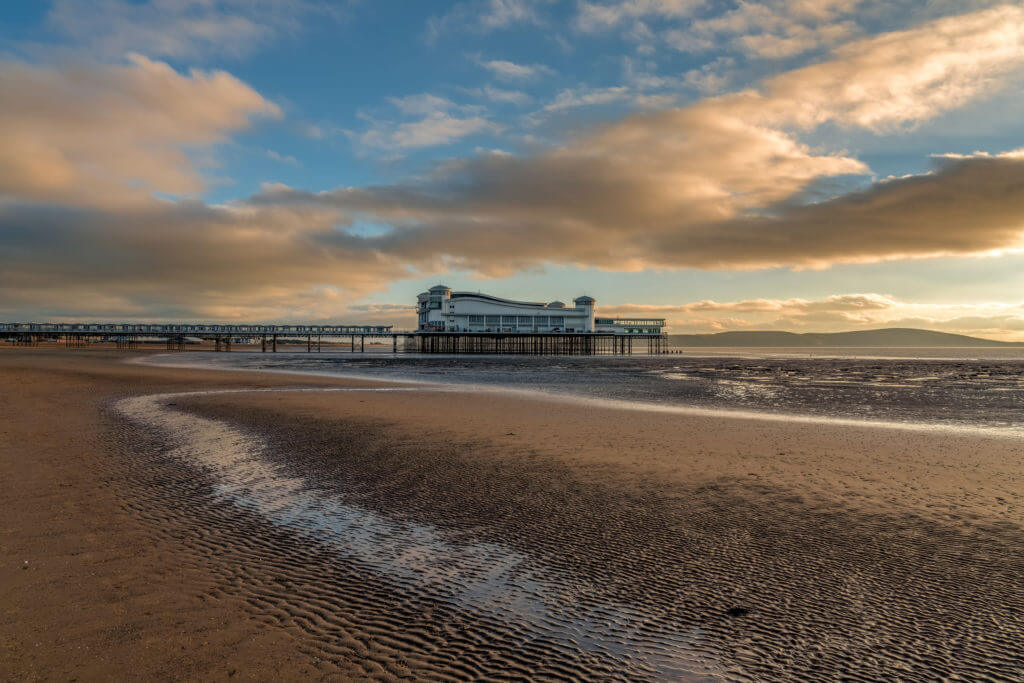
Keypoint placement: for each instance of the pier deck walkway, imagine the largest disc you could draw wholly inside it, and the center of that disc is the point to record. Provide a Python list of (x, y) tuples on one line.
[(178, 335)]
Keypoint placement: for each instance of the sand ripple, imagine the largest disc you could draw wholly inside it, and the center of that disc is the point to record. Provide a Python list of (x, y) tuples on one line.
[(395, 557), (550, 629)]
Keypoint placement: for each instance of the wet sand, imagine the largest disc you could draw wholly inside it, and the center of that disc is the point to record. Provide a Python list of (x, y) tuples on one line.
[(365, 533)]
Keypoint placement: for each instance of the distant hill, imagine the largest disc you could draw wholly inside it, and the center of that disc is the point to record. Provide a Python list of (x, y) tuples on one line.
[(896, 336)]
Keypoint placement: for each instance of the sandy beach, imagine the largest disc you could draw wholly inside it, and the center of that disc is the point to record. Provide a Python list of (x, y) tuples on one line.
[(285, 526)]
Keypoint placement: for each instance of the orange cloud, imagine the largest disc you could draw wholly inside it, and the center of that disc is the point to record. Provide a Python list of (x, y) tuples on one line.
[(835, 313), (107, 134)]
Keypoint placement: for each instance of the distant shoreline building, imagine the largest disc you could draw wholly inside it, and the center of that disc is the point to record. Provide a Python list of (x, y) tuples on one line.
[(442, 310)]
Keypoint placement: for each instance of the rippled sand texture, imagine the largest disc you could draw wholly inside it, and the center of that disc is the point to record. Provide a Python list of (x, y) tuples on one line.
[(403, 549)]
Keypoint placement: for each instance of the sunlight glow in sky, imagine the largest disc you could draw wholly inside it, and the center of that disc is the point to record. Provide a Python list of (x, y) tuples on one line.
[(811, 165)]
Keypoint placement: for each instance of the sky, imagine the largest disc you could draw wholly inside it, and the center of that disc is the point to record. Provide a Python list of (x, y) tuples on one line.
[(807, 165)]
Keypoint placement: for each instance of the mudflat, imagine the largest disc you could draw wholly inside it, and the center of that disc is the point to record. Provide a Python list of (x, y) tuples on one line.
[(177, 523)]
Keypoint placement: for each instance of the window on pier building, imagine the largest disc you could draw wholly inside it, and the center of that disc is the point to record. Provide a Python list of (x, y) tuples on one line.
[(476, 320), (557, 320), (509, 320), (525, 321), (494, 320)]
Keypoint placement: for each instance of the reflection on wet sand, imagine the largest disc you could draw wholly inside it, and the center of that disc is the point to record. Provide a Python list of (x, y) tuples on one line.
[(489, 579)]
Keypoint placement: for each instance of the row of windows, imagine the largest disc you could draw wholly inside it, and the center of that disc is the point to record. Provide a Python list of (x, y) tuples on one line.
[(517, 320)]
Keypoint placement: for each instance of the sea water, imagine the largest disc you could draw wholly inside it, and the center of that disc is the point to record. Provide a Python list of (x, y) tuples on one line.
[(930, 386)]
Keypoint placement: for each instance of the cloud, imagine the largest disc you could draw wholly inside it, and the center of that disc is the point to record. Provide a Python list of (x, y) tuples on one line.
[(836, 313), (897, 78), (102, 134), (772, 29), (181, 259), (283, 158), (758, 29), (421, 104), (904, 76), (708, 186), (499, 95), (504, 13), (593, 17), (969, 206), (795, 39), (511, 71), (584, 96), (437, 121), (181, 28), (844, 303), (434, 130), (711, 78), (572, 98), (311, 131), (598, 201), (484, 17), (506, 96)]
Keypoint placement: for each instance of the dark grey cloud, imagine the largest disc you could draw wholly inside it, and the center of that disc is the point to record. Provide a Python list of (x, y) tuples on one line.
[(180, 259), (498, 214)]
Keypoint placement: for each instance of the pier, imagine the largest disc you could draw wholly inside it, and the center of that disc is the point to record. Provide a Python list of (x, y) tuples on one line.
[(176, 336), (547, 344), (350, 338)]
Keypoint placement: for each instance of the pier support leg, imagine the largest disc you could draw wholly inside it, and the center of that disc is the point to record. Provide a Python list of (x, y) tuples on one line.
[(263, 343), (362, 343), (273, 342)]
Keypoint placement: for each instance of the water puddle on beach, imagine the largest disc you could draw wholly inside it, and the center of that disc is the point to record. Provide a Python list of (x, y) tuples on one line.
[(482, 578)]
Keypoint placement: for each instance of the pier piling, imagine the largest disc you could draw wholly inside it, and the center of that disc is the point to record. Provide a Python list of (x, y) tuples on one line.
[(532, 344)]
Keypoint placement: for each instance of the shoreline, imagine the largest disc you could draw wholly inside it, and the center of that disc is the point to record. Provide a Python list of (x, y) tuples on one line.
[(1010, 433), (676, 520)]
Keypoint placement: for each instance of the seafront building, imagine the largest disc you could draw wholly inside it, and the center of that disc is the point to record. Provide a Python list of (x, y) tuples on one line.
[(442, 310)]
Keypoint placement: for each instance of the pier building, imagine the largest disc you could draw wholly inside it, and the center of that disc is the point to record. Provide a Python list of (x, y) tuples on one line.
[(441, 310)]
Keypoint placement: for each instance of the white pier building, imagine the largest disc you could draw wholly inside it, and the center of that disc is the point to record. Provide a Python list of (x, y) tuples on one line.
[(442, 310)]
